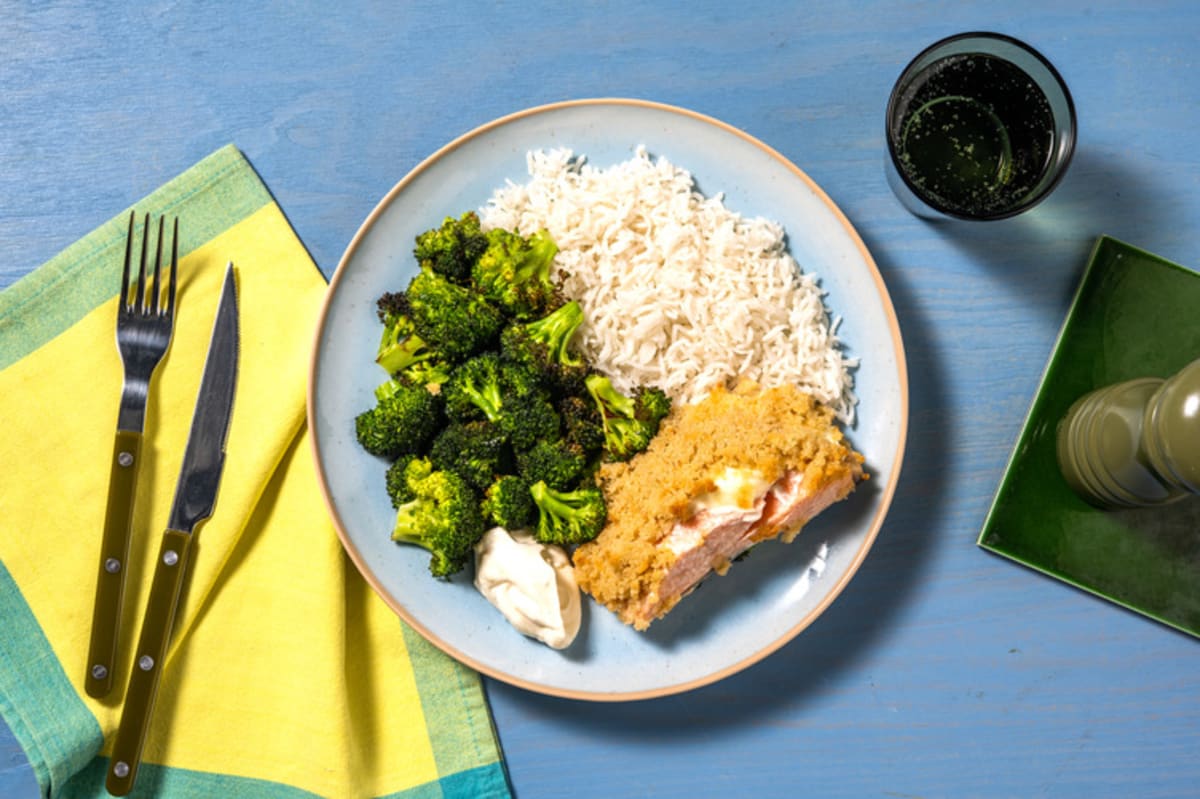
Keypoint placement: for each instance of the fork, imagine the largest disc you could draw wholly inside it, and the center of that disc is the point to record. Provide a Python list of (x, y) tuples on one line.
[(145, 321)]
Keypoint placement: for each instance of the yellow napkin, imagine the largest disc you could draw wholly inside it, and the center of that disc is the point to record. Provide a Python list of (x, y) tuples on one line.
[(286, 675)]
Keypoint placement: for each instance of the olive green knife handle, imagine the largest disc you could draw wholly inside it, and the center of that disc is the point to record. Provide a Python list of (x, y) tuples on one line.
[(169, 572), (114, 552)]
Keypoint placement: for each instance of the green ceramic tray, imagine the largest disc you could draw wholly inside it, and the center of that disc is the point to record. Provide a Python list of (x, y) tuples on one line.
[(1134, 315)]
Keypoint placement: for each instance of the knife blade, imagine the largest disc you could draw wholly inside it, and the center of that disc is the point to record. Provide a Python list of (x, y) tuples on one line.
[(195, 496)]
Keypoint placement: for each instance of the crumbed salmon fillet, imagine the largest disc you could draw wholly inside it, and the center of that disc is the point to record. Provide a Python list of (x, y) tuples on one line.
[(659, 542)]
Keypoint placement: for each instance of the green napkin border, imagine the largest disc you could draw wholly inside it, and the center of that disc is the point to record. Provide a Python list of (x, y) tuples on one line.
[(35, 692)]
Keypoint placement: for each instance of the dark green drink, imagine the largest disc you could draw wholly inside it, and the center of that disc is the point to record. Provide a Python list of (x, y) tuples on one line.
[(972, 134)]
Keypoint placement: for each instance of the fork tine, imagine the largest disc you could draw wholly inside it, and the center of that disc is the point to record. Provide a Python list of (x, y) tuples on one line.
[(152, 300), (125, 272), (140, 299), (174, 268)]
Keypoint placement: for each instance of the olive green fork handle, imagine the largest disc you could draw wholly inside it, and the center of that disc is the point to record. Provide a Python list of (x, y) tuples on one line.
[(114, 556), (169, 572)]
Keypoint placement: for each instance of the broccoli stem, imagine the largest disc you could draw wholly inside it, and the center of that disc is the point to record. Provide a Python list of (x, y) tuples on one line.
[(489, 399), (400, 347), (555, 330), (550, 501), (612, 403)]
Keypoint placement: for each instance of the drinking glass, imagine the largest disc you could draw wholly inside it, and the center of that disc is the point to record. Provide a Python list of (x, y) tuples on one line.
[(979, 126)]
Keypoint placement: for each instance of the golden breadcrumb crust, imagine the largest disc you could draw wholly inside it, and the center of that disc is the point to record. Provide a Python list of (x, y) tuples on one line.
[(772, 430)]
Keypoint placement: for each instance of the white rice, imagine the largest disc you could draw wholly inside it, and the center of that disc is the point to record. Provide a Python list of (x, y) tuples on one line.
[(678, 291)]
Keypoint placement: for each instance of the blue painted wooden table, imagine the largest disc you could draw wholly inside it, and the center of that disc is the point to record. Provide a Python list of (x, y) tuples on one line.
[(941, 671)]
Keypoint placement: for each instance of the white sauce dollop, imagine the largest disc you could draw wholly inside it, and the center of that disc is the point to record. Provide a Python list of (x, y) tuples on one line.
[(531, 583)]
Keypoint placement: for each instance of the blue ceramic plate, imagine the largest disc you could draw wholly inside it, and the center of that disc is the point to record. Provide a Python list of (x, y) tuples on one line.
[(729, 622)]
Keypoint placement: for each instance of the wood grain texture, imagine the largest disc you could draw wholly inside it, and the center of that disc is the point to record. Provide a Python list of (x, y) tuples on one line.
[(941, 671)]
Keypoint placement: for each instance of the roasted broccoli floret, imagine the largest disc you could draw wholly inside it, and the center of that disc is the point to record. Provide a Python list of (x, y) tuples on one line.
[(558, 463), (442, 515), (459, 320), (399, 347), (651, 405), (582, 423), (529, 418), (514, 273), (629, 422), (509, 504), (544, 346), (402, 352), (397, 485), (430, 372), (475, 389), (478, 451), (504, 393), (404, 420), (568, 517), (452, 249), (391, 303)]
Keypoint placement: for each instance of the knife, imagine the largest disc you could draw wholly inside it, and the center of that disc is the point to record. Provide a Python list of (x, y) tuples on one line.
[(195, 494)]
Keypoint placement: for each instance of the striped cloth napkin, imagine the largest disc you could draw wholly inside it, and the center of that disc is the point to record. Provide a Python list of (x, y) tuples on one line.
[(286, 675)]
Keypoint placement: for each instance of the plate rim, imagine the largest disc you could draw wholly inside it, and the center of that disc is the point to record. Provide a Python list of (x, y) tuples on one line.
[(885, 497)]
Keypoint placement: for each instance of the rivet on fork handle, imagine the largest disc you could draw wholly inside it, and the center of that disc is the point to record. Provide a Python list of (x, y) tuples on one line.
[(114, 553)]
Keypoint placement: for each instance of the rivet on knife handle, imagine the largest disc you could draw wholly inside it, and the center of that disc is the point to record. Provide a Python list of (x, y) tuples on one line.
[(114, 555), (169, 573)]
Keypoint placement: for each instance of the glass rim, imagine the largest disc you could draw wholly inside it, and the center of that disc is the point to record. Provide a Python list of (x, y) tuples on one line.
[(1065, 152)]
